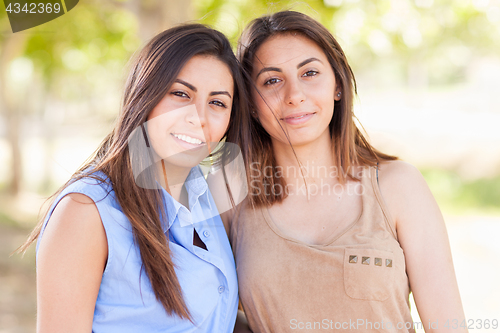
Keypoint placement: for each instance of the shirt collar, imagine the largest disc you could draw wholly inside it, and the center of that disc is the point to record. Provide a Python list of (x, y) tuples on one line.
[(197, 189)]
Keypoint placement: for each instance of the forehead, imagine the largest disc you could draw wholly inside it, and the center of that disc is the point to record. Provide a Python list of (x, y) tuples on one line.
[(286, 49), (207, 71)]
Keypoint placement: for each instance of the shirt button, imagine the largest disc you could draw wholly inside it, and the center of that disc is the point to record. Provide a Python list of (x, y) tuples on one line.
[(221, 289), (206, 233)]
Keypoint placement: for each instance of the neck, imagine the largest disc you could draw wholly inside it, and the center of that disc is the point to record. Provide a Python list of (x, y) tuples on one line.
[(172, 179), (313, 161)]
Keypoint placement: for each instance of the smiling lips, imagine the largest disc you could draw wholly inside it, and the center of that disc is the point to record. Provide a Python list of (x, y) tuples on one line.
[(298, 118)]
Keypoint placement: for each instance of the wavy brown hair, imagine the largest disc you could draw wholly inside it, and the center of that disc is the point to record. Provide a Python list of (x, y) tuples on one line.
[(350, 147), (152, 73)]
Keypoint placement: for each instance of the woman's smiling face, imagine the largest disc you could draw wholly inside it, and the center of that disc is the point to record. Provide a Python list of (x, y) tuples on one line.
[(295, 84), (194, 114)]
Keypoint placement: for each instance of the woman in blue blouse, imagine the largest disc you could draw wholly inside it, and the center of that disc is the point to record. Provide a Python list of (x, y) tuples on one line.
[(133, 241)]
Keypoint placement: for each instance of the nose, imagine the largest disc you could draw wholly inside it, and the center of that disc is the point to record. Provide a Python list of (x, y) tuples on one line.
[(197, 118), (196, 115), (294, 93)]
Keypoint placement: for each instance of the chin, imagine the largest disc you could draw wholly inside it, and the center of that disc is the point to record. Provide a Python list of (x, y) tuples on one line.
[(300, 140), (187, 162)]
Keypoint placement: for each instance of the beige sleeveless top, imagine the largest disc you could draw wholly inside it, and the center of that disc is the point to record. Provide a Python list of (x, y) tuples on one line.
[(356, 282)]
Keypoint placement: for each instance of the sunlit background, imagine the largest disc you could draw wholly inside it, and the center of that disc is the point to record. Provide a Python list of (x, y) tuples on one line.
[(428, 75)]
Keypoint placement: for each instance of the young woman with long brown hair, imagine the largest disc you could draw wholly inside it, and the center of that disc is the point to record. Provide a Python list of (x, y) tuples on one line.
[(132, 242), (334, 234)]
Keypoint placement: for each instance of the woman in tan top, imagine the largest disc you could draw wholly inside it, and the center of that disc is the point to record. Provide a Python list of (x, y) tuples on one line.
[(333, 234)]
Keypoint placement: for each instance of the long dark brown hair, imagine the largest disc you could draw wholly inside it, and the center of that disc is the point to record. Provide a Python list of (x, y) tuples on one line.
[(152, 73), (350, 146)]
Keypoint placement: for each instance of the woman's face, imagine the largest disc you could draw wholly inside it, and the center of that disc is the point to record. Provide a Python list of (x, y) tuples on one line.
[(194, 114), (296, 84)]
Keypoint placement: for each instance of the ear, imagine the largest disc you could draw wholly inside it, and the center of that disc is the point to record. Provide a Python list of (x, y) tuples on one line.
[(338, 94), (255, 115)]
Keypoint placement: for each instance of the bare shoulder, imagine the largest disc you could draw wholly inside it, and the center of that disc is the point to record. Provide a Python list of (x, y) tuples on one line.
[(77, 200), (76, 206), (400, 176), (398, 170), (75, 219), (403, 189)]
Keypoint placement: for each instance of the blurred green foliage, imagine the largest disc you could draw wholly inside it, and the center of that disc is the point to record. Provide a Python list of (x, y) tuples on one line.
[(76, 59), (435, 39), (458, 196), (99, 30), (89, 37), (408, 42)]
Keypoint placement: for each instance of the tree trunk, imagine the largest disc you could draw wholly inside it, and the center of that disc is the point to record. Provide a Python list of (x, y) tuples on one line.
[(13, 129), (11, 48)]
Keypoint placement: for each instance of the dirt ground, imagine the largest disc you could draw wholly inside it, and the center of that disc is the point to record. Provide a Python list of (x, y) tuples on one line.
[(17, 282)]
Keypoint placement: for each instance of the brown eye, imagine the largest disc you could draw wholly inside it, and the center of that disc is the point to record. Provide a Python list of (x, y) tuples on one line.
[(310, 73), (219, 104), (179, 93), (272, 81)]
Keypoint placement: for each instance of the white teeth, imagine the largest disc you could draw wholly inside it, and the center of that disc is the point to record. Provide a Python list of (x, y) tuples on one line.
[(298, 117), (188, 139)]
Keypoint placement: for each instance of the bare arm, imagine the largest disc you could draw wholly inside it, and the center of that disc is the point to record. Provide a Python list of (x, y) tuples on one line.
[(71, 259), (422, 234)]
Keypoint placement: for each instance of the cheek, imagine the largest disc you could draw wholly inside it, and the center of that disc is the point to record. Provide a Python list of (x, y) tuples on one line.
[(225, 125), (266, 108), (157, 131), (328, 102), (154, 113), (218, 127), (323, 98), (262, 102)]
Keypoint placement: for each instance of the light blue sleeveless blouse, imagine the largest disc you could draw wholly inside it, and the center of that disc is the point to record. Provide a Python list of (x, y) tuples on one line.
[(126, 301)]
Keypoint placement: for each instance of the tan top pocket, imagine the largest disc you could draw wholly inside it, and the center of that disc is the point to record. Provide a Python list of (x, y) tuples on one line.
[(368, 273)]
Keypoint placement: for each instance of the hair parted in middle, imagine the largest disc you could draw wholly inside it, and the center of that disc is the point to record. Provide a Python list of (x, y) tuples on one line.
[(350, 147)]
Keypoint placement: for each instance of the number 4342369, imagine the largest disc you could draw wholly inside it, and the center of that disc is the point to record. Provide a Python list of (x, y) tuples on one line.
[(34, 8), (472, 324)]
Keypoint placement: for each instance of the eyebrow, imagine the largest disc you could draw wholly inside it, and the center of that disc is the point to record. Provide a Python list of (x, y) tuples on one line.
[(276, 69), (193, 88), (305, 62), (190, 86), (269, 69), (220, 93)]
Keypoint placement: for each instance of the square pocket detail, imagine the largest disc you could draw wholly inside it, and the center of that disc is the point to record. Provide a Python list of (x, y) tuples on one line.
[(368, 279)]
